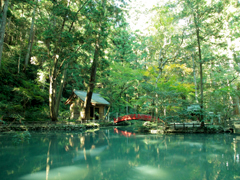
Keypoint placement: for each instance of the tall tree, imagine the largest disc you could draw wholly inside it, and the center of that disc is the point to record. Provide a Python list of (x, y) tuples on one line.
[(61, 39), (31, 33), (3, 26), (164, 48), (203, 23), (102, 20)]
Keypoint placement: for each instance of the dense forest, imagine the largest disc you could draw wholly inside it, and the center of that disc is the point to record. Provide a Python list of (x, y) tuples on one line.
[(188, 54)]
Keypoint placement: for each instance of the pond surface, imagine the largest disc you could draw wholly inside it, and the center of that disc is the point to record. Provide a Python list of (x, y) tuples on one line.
[(114, 154)]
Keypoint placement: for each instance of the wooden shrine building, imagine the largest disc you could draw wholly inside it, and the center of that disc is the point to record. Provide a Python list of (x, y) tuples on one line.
[(98, 106)]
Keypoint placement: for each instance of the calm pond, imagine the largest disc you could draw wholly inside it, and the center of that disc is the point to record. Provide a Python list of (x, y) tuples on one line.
[(113, 154)]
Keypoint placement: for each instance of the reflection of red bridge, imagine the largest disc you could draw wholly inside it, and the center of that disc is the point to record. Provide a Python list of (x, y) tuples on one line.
[(125, 133), (133, 117)]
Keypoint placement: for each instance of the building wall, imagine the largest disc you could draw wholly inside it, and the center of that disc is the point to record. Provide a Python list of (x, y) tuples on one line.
[(101, 110), (77, 111), (76, 108)]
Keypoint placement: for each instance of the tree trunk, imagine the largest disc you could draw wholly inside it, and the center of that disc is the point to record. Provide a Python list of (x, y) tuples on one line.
[(19, 62), (200, 61), (8, 35), (127, 104), (61, 88), (30, 41), (91, 84), (52, 91), (195, 81), (236, 108), (1, 4), (104, 117), (56, 66), (3, 25)]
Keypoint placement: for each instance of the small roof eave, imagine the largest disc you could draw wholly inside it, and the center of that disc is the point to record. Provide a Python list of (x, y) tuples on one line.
[(96, 98)]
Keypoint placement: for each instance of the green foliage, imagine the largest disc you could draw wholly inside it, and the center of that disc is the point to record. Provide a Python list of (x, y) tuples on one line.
[(150, 74), (2, 122), (29, 91), (37, 113), (21, 137), (65, 114), (144, 126), (213, 129)]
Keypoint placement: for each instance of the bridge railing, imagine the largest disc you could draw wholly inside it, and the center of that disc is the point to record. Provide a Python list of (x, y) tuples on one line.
[(133, 117), (187, 125)]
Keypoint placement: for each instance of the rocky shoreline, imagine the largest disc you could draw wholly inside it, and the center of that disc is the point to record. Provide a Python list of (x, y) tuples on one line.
[(204, 130), (185, 128), (59, 126), (62, 126)]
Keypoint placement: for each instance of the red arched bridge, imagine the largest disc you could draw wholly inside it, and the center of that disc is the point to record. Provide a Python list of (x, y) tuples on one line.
[(133, 117)]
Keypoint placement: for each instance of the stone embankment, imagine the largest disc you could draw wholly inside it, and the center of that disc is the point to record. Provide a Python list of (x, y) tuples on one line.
[(47, 126), (186, 128), (209, 129)]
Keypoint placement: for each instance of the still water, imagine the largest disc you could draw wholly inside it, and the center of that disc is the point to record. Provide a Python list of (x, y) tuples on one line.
[(114, 154)]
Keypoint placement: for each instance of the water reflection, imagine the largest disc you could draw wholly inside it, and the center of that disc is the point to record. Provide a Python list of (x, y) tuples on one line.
[(124, 133), (64, 173), (119, 154), (149, 172)]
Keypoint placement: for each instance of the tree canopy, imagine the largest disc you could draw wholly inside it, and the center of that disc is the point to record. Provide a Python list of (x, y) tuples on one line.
[(188, 53)]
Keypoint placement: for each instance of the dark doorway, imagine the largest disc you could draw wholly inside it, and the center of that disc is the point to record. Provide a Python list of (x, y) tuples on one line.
[(91, 112), (96, 113)]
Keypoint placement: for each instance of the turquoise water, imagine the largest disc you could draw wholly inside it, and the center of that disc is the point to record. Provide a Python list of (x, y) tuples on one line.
[(117, 154)]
